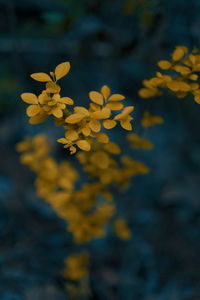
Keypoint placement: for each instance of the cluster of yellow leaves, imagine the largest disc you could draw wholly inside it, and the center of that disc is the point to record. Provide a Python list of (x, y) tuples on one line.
[(55, 183), (180, 77), (138, 142), (49, 102), (121, 229), (99, 163), (82, 126)]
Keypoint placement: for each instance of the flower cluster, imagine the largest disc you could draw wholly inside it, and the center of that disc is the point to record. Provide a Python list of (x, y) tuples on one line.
[(180, 77)]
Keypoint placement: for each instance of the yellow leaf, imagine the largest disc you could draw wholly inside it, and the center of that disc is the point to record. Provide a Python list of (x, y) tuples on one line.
[(52, 87), (109, 124), (164, 64), (61, 70), (126, 124), (112, 148), (74, 118), (84, 145), (62, 141), (29, 98), (43, 77), (38, 119), (102, 138), (116, 97), (100, 159), (95, 125), (57, 112), (102, 114), (66, 100), (148, 93), (72, 135), (105, 91), (177, 54), (197, 99), (81, 110), (86, 131), (114, 106), (193, 77), (94, 107), (122, 230), (33, 110), (72, 150), (96, 97), (182, 70)]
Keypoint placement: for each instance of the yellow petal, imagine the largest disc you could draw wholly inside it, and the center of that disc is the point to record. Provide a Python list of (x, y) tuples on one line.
[(57, 112), (116, 97), (164, 64), (74, 118), (66, 100), (72, 135), (43, 77), (33, 110), (114, 106), (126, 124), (102, 114), (38, 119), (95, 125), (61, 70), (102, 138), (84, 145), (29, 98), (109, 124), (96, 97), (105, 91)]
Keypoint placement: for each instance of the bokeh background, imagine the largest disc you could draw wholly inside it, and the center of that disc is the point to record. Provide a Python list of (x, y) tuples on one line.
[(114, 42)]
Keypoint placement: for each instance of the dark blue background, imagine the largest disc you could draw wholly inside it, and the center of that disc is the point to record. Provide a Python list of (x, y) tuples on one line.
[(104, 46)]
